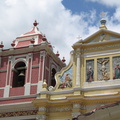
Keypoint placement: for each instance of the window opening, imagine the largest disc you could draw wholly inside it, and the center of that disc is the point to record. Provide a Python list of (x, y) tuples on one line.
[(19, 75)]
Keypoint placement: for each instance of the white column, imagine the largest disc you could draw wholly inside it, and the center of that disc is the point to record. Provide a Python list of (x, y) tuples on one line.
[(41, 74), (78, 70), (28, 75), (8, 77)]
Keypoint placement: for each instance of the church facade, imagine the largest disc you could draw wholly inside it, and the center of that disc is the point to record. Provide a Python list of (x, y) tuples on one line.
[(36, 84), (89, 87)]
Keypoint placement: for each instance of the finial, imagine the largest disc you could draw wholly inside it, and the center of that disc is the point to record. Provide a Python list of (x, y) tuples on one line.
[(44, 85), (32, 41), (1, 44), (57, 54), (35, 23), (79, 39), (63, 60), (44, 38), (13, 43), (49, 44), (103, 21)]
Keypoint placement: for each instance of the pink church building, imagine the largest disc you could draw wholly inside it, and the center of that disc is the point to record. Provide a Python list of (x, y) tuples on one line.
[(23, 68)]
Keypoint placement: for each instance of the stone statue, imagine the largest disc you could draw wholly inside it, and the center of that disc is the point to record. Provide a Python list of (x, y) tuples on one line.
[(90, 73)]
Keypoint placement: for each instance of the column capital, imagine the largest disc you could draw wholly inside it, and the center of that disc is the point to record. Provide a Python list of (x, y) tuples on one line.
[(42, 53), (78, 54), (76, 106), (78, 50), (30, 55), (43, 109), (10, 58)]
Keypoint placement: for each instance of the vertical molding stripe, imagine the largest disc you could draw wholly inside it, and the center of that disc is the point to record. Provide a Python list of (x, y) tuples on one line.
[(111, 68), (78, 70), (95, 69)]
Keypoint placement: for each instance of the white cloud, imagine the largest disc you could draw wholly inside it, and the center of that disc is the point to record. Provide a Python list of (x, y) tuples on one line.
[(113, 21), (111, 3), (60, 26)]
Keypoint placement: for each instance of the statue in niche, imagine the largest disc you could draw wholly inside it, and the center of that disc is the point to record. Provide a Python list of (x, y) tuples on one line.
[(116, 66), (103, 62), (89, 70), (116, 72), (90, 74)]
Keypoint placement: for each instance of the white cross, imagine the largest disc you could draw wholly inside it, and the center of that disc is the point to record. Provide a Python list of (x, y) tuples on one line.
[(79, 38), (103, 14)]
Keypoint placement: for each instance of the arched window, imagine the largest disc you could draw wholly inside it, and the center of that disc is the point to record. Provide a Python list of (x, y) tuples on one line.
[(53, 82), (19, 74)]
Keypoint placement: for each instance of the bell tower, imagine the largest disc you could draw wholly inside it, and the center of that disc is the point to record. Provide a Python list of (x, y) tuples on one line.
[(24, 67)]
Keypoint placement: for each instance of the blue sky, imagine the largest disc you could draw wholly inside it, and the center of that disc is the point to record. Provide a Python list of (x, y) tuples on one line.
[(62, 21), (77, 6)]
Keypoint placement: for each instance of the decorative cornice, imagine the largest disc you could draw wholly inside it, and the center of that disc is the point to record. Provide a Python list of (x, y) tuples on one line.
[(106, 52), (60, 109)]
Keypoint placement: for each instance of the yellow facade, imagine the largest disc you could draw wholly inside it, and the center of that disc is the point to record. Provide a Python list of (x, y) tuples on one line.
[(77, 92)]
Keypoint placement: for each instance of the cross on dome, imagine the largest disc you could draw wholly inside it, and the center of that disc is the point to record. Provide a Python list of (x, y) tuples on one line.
[(103, 14), (103, 21)]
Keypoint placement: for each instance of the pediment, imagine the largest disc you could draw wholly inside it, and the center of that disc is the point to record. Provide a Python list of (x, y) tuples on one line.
[(101, 36)]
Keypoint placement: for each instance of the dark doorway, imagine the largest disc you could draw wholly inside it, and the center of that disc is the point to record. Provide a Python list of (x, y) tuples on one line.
[(53, 82)]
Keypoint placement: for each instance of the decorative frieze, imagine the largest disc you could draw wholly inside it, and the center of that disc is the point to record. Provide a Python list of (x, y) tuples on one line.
[(18, 113), (60, 109), (101, 47)]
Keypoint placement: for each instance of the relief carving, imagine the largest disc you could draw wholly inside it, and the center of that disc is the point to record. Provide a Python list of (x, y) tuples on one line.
[(66, 79), (103, 68)]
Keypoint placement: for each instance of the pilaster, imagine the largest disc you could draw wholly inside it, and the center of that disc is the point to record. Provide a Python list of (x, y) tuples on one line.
[(8, 77), (42, 113), (76, 110), (41, 70), (95, 70), (28, 75), (78, 76), (111, 68)]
